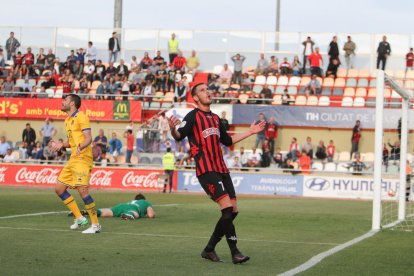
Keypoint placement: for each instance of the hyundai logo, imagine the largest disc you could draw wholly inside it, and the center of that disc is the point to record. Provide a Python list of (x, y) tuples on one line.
[(317, 184)]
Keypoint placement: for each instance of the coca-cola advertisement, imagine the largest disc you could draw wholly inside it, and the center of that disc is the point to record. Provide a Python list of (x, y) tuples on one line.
[(118, 178)]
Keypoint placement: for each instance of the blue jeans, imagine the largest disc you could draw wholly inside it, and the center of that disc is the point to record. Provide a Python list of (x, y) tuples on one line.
[(114, 55), (128, 156), (260, 138)]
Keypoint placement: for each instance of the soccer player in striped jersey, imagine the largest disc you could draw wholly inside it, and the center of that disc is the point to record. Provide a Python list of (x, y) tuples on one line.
[(205, 132)]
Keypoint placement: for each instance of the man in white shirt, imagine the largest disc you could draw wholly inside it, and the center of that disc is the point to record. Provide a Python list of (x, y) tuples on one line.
[(226, 75), (91, 52), (9, 157), (89, 68), (243, 157), (254, 158), (307, 50)]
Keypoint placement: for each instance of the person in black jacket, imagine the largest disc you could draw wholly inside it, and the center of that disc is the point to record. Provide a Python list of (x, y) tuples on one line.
[(333, 51), (29, 136), (114, 47), (383, 51)]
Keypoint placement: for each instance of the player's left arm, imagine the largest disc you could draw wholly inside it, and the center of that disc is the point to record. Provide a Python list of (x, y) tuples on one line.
[(254, 128), (87, 134), (150, 212)]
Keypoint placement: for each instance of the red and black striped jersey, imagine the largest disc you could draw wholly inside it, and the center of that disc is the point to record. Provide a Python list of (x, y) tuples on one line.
[(205, 133)]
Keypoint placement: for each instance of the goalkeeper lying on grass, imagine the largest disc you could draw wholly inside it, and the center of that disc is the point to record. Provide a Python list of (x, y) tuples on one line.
[(137, 208)]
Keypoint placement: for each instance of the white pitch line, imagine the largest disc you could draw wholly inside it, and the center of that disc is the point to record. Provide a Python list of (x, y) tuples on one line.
[(318, 258), (62, 212), (160, 235)]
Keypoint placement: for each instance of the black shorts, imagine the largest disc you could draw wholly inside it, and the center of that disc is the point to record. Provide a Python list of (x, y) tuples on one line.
[(217, 185)]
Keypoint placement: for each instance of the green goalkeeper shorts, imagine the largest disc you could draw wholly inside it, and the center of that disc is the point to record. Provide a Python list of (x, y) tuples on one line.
[(124, 208)]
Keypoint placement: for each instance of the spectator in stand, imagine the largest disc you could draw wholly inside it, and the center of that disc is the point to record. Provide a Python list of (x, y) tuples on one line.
[(333, 50), (243, 157), (2, 61), (89, 69), (305, 162), (225, 75), (122, 69), (148, 91), (330, 151), (238, 67), (385, 155), (48, 152), (146, 61), (224, 122), (50, 59), (77, 70), (395, 150), (180, 62), (158, 58), (91, 53), (307, 51), (332, 69), (172, 47), (383, 51), (71, 60), (80, 53), (293, 151), (41, 59), (356, 137), (308, 147), (111, 70), (285, 67), (3, 146), (254, 159), (278, 158), (154, 134), (357, 165), (316, 61), (144, 128), (9, 156), (273, 68), (67, 84), (154, 67), (171, 78), (150, 77), (262, 65), (163, 127), (134, 63), (286, 98), (271, 133), (321, 151), (115, 146), (260, 135), (161, 78), (129, 145), (29, 137), (96, 152), (349, 48), (11, 46), (409, 60), (266, 156), (296, 66), (113, 47), (265, 95), (101, 140), (214, 85), (48, 131), (192, 63), (37, 152), (29, 58), (313, 87), (235, 164), (180, 94), (8, 86), (100, 70), (83, 84)]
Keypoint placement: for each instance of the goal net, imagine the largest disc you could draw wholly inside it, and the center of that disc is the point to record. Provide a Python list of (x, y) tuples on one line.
[(393, 204)]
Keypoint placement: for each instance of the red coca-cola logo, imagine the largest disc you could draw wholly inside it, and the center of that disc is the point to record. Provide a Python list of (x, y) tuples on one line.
[(3, 174), (131, 179), (44, 176), (101, 178)]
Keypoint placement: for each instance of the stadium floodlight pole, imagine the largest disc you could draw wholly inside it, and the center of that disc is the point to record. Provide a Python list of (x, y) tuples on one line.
[(118, 21), (277, 25), (379, 108)]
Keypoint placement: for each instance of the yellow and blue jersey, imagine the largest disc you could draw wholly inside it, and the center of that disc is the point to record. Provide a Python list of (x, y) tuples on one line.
[(75, 124)]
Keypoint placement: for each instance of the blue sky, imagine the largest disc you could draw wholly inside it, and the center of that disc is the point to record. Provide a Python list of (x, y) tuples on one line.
[(354, 16)]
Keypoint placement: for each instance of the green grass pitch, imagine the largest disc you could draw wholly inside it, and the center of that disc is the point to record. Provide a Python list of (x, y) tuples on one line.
[(277, 233)]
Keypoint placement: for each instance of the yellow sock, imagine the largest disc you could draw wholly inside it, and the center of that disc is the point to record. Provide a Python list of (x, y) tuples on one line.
[(73, 207), (92, 212)]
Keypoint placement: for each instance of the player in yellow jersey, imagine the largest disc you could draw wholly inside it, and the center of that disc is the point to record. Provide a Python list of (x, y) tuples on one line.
[(75, 175)]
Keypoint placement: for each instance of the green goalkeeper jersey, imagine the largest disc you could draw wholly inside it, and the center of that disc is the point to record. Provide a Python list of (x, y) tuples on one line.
[(138, 206), (142, 206)]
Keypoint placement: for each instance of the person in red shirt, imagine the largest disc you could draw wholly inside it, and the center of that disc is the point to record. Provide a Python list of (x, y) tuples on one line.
[(409, 59), (180, 62), (330, 151), (285, 67), (356, 136), (146, 61), (67, 84), (28, 58), (271, 134), (305, 162), (130, 145), (316, 60)]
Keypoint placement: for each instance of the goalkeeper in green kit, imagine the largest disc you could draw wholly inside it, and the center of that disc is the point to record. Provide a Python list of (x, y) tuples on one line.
[(135, 209)]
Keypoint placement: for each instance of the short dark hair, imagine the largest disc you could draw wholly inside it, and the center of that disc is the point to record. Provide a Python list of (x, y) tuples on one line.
[(129, 131), (28, 124), (139, 196), (194, 89), (168, 149), (76, 99)]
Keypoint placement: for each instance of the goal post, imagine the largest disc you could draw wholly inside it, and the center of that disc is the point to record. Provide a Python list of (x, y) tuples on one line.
[(383, 79)]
